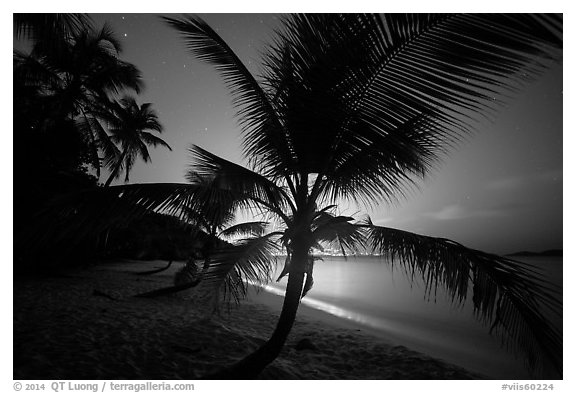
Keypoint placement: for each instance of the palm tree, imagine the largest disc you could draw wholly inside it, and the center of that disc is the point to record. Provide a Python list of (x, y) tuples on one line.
[(362, 107), (213, 213), (128, 123), (71, 72), (49, 28), (359, 106)]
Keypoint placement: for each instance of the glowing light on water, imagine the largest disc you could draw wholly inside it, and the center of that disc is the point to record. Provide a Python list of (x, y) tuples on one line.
[(326, 307), (366, 291)]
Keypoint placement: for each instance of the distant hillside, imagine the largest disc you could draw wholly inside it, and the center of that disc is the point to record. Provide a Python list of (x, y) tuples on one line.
[(156, 236), (547, 253)]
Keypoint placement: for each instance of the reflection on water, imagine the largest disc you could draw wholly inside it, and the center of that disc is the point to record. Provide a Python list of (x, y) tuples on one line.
[(330, 308), (368, 291)]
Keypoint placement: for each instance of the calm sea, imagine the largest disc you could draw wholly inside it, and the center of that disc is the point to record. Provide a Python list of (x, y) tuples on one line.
[(367, 291)]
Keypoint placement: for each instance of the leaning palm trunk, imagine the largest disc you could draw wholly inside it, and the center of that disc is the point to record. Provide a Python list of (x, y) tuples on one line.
[(252, 365), (154, 271), (178, 287)]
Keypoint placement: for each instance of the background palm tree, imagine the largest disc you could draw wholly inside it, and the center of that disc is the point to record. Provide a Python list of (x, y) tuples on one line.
[(362, 107), (213, 213), (63, 78), (70, 77), (129, 123), (49, 28)]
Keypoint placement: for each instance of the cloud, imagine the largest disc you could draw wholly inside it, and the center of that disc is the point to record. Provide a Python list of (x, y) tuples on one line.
[(451, 212), (513, 182), (457, 212)]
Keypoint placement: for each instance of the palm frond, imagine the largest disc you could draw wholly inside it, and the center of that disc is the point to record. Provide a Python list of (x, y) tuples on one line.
[(213, 206), (29, 71), (110, 152), (255, 112), (114, 77), (105, 39), (384, 165), (48, 27), (128, 123), (197, 219), (91, 57), (108, 73), (84, 124), (337, 231), (247, 185), (510, 296), (130, 159), (250, 260), (452, 64), (151, 139), (253, 228), (386, 97)]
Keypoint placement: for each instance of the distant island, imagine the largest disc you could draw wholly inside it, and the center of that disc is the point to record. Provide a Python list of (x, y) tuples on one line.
[(547, 253)]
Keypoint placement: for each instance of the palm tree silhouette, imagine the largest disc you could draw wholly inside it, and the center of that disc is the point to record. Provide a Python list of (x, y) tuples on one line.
[(360, 107), (49, 28), (47, 31), (128, 123), (214, 213), (69, 74)]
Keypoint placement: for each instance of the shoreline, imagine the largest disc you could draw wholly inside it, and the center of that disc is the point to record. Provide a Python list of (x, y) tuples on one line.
[(87, 324), (495, 369)]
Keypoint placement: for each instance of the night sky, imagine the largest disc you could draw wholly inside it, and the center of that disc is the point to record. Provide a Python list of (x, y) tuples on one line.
[(501, 191)]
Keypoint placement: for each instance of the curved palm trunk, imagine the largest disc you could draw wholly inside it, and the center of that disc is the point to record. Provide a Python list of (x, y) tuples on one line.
[(147, 272), (175, 288), (253, 364)]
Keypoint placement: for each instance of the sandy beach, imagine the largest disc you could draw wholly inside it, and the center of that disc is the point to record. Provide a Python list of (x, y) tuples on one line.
[(85, 323)]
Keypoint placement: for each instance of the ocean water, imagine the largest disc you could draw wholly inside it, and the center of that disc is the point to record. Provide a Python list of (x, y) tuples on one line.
[(383, 299)]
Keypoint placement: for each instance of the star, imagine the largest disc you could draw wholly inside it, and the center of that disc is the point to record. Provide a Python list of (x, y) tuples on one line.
[(125, 35)]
